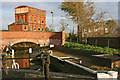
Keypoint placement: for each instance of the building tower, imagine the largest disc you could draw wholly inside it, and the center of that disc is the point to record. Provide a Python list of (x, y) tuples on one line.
[(29, 19)]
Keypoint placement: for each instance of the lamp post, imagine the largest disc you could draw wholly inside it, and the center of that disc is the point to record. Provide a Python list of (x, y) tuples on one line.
[(52, 22)]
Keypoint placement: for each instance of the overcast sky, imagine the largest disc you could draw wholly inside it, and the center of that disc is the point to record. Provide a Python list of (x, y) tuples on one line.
[(8, 15)]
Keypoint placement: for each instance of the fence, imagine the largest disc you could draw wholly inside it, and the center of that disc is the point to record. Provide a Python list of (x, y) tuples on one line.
[(104, 41)]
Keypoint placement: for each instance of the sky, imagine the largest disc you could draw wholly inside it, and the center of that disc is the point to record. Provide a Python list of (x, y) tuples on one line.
[(8, 15)]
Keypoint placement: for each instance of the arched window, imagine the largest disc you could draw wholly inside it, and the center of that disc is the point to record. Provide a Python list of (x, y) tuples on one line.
[(21, 16), (26, 63), (30, 18), (39, 20), (42, 29), (35, 19), (42, 20), (39, 28), (25, 27), (35, 28), (18, 17), (31, 28)]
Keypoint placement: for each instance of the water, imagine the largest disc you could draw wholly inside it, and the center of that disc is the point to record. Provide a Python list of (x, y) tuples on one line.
[(37, 64), (55, 65), (23, 63)]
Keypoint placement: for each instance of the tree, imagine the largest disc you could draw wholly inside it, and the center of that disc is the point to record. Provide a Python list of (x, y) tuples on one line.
[(81, 12), (73, 9), (111, 25), (46, 29), (50, 28), (64, 25), (85, 14), (118, 31)]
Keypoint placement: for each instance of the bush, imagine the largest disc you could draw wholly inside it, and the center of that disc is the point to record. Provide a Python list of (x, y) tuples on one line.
[(105, 50)]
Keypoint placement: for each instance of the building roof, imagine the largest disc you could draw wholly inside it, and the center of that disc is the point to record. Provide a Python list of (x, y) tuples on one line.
[(20, 22), (21, 6), (28, 6)]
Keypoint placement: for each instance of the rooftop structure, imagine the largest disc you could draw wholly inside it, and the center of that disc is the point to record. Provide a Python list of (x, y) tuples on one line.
[(29, 19)]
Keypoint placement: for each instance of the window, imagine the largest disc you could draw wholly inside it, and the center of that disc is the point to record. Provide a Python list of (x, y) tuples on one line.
[(42, 29), (30, 18), (26, 63), (35, 19), (42, 20), (25, 27), (21, 16), (31, 28), (35, 28), (18, 17), (39, 28), (39, 20)]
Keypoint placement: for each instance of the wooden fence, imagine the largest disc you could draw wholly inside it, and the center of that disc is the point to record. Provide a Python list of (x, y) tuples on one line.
[(113, 42)]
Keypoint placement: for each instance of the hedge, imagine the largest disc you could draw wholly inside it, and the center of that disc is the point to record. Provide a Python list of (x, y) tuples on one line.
[(88, 47)]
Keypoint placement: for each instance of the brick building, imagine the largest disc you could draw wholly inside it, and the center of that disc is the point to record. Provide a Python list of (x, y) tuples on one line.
[(28, 19)]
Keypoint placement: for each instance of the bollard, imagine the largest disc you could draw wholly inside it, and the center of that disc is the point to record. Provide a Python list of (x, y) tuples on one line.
[(4, 64)]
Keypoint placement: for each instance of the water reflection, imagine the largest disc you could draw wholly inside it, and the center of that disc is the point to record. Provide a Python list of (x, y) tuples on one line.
[(23, 63)]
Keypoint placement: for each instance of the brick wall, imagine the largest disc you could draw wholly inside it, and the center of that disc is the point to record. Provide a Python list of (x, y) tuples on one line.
[(19, 28), (46, 38), (16, 27), (32, 13)]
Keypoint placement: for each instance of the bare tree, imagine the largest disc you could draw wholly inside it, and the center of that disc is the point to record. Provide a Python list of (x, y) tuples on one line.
[(63, 26)]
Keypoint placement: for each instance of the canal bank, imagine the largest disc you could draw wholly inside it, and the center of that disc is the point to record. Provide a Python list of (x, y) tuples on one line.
[(89, 58), (88, 61), (67, 66)]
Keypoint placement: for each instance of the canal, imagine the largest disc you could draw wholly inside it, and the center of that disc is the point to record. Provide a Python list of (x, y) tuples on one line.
[(21, 52), (83, 60), (56, 65)]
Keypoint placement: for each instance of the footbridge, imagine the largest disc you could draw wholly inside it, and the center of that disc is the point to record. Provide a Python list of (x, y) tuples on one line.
[(42, 38)]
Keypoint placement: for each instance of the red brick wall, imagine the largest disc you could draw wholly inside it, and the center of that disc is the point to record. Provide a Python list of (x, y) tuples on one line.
[(22, 63), (16, 27), (30, 35), (12, 37), (33, 12), (20, 16)]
